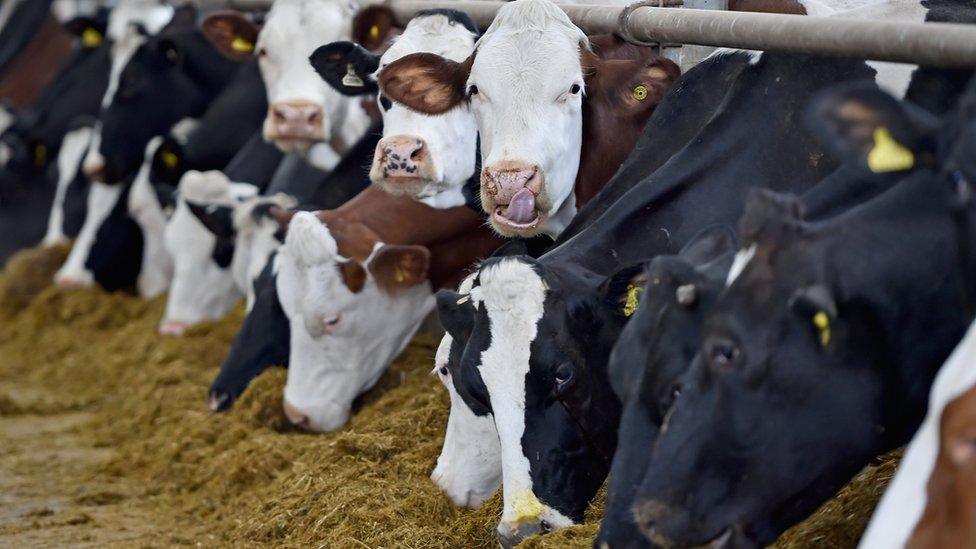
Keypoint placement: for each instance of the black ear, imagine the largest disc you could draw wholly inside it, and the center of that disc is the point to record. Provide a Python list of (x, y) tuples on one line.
[(167, 164), (863, 125), (710, 244), (347, 67), (622, 290), (816, 304), (219, 220), (223, 252), (456, 313), (770, 216), (89, 31)]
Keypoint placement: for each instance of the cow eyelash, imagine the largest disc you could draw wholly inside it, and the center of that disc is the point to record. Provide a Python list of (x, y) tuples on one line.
[(472, 90), (575, 89)]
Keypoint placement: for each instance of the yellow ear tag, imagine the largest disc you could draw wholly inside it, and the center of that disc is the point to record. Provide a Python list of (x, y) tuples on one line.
[(374, 32), (170, 159), (241, 45), (822, 322), (398, 275), (91, 38), (889, 155), (630, 306), (40, 154), (640, 92)]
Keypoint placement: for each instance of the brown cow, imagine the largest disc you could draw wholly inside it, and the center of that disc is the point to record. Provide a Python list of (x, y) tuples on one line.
[(36, 64)]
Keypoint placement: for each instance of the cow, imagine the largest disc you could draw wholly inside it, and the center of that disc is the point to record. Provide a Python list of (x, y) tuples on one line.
[(32, 48), (263, 340), (531, 121), (802, 314), (303, 110), (210, 143), (689, 162), (419, 156), (355, 284)]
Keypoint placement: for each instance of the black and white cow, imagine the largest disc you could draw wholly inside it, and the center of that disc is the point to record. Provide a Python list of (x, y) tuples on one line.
[(828, 335)]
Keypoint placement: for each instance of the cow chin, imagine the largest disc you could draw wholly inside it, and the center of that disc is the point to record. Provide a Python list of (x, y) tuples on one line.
[(413, 187), (731, 537), (510, 229)]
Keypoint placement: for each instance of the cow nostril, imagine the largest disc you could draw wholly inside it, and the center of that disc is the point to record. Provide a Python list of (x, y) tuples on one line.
[(315, 117), (417, 154)]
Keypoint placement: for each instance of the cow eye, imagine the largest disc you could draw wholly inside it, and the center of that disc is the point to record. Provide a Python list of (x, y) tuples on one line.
[(472, 90), (722, 353), (443, 371), (563, 374), (385, 102), (574, 89), (262, 52)]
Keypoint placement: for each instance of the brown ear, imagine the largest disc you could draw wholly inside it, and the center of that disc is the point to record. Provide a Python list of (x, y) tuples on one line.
[(373, 27), (651, 81), (233, 34), (353, 275), (396, 268), (426, 82)]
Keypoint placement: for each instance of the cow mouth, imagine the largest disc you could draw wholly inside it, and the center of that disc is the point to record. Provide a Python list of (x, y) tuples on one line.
[(220, 402), (520, 213), (728, 538), (296, 144)]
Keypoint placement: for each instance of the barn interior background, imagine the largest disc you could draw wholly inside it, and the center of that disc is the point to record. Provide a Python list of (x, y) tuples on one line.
[(108, 436)]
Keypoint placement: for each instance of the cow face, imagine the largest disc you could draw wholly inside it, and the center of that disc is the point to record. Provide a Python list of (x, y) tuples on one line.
[(525, 83), (803, 359), (419, 156), (544, 384), (952, 486), (653, 351), (469, 468), (348, 317), (302, 109), (203, 285)]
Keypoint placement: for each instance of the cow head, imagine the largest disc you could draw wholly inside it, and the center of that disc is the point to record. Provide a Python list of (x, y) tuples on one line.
[(808, 364), (302, 109), (349, 316), (469, 468), (525, 83), (671, 296), (200, 237), (419, 156), (952, 485)]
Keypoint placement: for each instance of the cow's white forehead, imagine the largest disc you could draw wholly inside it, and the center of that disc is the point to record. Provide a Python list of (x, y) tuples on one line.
[(309, 242), (433, 34), (291, 24), (150, 14)]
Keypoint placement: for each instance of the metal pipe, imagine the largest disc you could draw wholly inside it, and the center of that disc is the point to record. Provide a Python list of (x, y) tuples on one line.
[(933, 44)]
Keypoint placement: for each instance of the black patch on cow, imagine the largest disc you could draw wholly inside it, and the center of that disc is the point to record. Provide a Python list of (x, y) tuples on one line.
[(116, 254), (219, 220)]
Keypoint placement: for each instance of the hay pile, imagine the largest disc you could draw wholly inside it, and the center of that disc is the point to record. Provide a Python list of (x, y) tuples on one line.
[(247, 478)]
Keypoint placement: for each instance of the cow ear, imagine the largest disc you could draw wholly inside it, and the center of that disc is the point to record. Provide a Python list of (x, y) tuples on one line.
[(167, 162), (816, 304), (219, 220), (373, 27), (233, 34), (770, 216), (456, 313), (426, 82), (622, 290), (396, 268), (863, 125), (709, 245), (170, 51), (347, 67), (353, 275), (90, 32)]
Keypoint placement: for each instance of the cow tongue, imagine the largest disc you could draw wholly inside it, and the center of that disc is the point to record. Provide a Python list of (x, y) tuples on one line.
[(522, 207)]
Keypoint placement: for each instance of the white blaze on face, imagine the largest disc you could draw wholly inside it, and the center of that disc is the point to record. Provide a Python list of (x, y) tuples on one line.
[(341, 341), (293, 29), (73, 148), (526, 64), (150, 14), (101, 199), (449, 139), (156, 271), (469, 468), (739, 263), (201, 289), (513, 296), (904, 501)]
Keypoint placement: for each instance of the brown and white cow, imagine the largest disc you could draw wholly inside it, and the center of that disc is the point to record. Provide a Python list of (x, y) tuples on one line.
[(303, 111), (355, 284), (526, 82)]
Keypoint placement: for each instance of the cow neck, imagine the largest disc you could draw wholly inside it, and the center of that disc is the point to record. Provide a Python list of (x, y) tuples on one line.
[(393, 220)]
